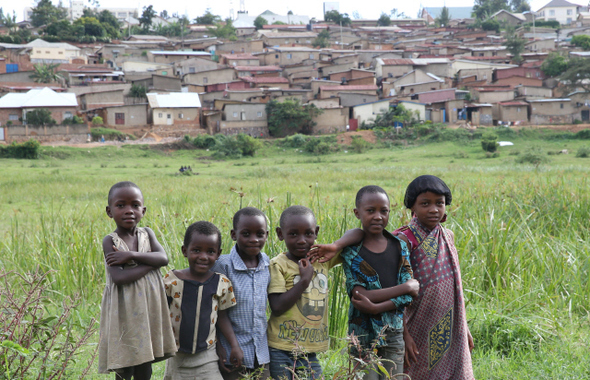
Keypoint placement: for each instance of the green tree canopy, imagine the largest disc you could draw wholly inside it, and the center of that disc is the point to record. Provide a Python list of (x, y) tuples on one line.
[(383, 20), (224, 30), (484, 9), (514, 45), (337, 18), (91, 25), (208, 18), (46, 73), (577, 76), (39, 116), (582, 41), (147, 16), (259, 22), (444, 17), (322, 40), (554, 65), (290, 117), (44, 13)]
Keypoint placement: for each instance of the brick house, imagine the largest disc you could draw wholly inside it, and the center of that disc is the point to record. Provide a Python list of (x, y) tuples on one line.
[(180, 108), (14, 106)]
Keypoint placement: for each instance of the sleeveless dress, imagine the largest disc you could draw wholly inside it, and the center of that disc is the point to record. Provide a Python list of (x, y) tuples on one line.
[(135, 325)]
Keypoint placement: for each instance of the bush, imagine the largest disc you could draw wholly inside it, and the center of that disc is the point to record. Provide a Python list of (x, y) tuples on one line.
[(583, 134), (295, 141), (489, 142), (97, 120), (248, 144), (532, 156), (73, 120), (321, 145), (109, 134), (40, 116), (360, 145), (204, 141), (27, 150), (40, 338), (583, 152)]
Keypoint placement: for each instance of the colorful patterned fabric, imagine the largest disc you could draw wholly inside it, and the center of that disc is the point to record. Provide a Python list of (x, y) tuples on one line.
[(436, 319), (367, 327), (248, 317), (193, 309)]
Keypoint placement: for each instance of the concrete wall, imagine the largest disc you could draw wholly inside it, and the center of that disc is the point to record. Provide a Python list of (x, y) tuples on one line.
[(367, 112), (176, 116), (353, 99), (236, 47), (421, 108), (211, 77), (166, 83), (20, 133), (134, 115), (251, 128), (514, 113), (20, 76), (557, 112), (241, 112), (495, 96), (101, 99), (332, 120)]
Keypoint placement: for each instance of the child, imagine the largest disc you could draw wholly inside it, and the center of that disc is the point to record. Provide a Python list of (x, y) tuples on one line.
[(135, 328), (198, 299), (298, 295), (247, 268), (440, 307), (379, 282)]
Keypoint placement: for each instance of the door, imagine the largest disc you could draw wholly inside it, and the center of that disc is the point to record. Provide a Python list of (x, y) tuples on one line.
[(169, 119), (119, 118), (585, 115), (1, 133)]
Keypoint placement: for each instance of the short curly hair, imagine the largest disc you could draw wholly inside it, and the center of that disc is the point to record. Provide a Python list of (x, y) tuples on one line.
[(204, 228)]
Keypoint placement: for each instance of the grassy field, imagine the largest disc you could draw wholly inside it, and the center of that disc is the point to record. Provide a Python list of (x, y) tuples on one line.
[(521, 230)]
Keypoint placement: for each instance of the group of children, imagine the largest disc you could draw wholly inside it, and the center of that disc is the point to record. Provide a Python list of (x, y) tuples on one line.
[(209, 320)]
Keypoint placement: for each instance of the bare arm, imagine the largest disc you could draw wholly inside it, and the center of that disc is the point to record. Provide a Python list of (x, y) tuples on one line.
[(326, 252), (281, 302), (224, 325), (410, 287), (156, 258), (362, 303), (120, 275)]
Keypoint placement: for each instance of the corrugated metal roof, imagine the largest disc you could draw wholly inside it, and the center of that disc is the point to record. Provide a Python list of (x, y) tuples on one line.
[(257, 68), (368, 87), (41, 43), (265, 79), (45, 97), (174, 100)]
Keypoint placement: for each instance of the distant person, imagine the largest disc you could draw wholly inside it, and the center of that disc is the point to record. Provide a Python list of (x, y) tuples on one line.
[(135, 328), (102, 139), (198, 300), (298, 298)]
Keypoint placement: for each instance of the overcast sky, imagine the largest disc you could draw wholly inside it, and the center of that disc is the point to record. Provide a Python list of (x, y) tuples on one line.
[(370, 9)]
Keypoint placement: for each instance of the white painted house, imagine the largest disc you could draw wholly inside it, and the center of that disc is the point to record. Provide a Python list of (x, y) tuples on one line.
[(559, 10)]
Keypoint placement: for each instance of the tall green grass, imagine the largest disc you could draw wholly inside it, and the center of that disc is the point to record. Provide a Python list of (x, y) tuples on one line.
[(521, 231)]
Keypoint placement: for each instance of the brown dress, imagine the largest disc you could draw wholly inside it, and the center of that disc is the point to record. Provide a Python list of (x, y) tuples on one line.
[(135, 324)]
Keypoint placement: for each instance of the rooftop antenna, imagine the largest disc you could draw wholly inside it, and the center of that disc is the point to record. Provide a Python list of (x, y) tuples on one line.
[(231, 9)]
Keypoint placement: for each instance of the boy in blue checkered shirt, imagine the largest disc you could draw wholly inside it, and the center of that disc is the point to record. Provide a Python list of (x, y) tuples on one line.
[(247, 268)]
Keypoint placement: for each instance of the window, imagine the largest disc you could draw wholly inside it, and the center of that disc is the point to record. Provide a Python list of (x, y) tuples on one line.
[(561, 105), (259, 114), (569, 12), (552, 12), (518, 109), (169, 116), (67, 115), (569, 20), (164, 72), (47, 52), (38, 51), (235, 114), (60, 52), (160, 115), (13, 117), (180, 116), (276, 56), (205, 80), (191, 69), (311, 56), (289, 56)]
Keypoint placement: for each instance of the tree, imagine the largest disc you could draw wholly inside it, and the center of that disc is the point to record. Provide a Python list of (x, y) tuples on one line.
[(582, 41), (577, 76), (92, 27), (226, 31), (164, 14), (484, 9), (384, 20), (554, 65), (45, 13), (259, 22), (290, 13), (46, 73), (337, 18), (514, 44), (520, 6), (39, 116), (146, 17), (444, 17), (137, 91), (290, 117), (208, 18), (397, 14), (322, 40)]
